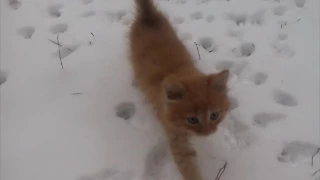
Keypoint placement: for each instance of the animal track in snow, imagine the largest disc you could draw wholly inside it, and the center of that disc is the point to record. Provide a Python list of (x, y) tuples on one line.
[(86, 1), (66, 51), (238, 18), (210, 18), (283, 48), (26, 31), (235, 33), (237, 133), (208, 44), (246, 49), (282, 36), (59, 28), (15, 4), (223, 65), (258, 17), (263, 119), (280, 10), (259, 78), (54, 10), (3, 77), (181, 1), (125, 110), (88, 14), (156, 160), (117, 15), (292, 152), (178, 20), (300, 3), (196, 15), (284, 98)]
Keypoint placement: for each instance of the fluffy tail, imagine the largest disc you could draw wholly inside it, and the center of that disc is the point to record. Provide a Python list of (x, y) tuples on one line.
[(147, 13)]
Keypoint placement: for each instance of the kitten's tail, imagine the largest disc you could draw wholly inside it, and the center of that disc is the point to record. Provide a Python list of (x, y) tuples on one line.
[(147, 13)]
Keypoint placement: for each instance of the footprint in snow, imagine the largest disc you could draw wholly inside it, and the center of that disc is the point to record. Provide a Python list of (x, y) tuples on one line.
[(59, 28), (88, 14), (15, 4), (208, 44), (238, 18), (116, 15), (279, 11), (26, 31), (66, 50), (86, 1), (294, 151), (236, 133), (258, 17), (178, 20), (263, 119), (300, 3), (259, 78), (284, 98), (282, 36), (54, 10), (196, 15), (210, 18), (125, 110), (247, 48), (157, 157), (3, 77)]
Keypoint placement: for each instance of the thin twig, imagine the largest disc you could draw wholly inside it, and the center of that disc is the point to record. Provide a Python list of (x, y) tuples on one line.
[(92, 34), (315, 172), (197, 50), (59, 44), (221, 171), (59, 51), (314, 156)]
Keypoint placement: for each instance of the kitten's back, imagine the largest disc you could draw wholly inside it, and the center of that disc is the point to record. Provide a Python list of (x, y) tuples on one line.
[(156, 50)]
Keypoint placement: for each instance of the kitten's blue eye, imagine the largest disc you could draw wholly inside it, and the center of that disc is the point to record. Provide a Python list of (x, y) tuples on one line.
[(193, 120), (214, 116)]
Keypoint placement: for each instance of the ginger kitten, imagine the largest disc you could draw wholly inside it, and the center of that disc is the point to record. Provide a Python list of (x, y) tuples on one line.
[(187, 101)]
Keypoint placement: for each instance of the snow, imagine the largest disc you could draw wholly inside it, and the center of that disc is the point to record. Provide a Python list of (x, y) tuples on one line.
[(88, 121)]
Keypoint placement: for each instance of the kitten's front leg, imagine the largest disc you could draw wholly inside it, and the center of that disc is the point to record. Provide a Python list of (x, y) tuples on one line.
[(185, 157)]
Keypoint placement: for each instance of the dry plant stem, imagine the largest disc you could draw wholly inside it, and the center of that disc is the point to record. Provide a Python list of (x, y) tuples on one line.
[(59, 51), (197, 50), (315, 172), (314, 156), (58, 44), (221, 171)]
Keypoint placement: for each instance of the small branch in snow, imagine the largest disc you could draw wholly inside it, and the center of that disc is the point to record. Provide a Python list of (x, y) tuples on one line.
[(59, 51), (314, 156), (285, 23), (58, 44), (198, 49), (315, 172), (92, 34), (221, 171)]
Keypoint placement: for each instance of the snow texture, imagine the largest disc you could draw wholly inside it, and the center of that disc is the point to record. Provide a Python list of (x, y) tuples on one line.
[(89, 121)]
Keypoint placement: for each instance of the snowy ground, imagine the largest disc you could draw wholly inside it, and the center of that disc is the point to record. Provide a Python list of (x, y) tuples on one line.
[(88, 122)]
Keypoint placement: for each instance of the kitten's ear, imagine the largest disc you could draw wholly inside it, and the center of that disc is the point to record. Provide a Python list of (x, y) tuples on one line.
[(174, 89), (219, 80)]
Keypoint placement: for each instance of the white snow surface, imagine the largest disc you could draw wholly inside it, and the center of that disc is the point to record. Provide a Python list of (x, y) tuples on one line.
[(89, 122)]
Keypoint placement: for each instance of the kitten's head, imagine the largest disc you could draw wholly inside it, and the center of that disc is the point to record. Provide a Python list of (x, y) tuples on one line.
[(196, 104)]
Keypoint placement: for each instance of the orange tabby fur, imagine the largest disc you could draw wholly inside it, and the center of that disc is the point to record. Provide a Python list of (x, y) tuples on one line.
[(165, 72)]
